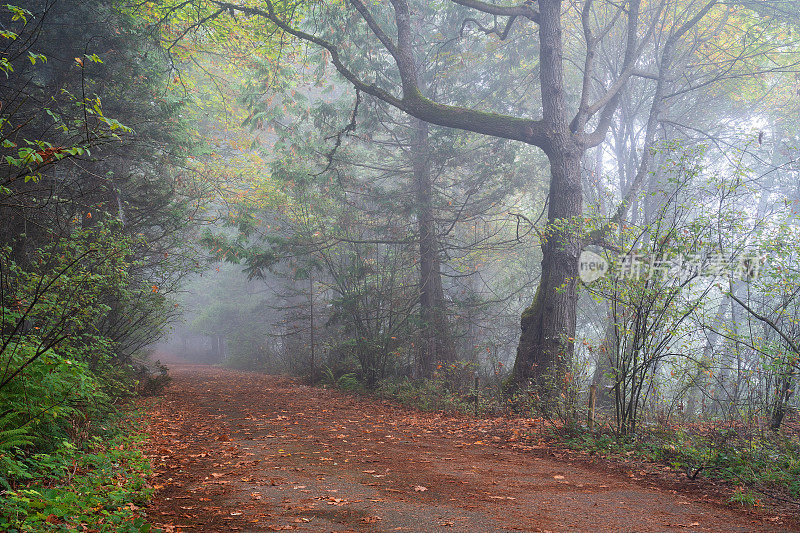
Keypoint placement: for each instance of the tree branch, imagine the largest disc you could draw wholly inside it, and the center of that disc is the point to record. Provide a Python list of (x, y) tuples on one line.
[(525, 10), (375, 27), (502, 35), (526, 130), (766, 320)]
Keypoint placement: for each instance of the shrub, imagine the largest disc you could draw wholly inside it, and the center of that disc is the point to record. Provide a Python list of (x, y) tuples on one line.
[(98, 487)]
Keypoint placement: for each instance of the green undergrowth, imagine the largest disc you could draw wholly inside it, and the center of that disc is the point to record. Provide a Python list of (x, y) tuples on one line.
[(450, 389), (427, 395), (98, 487), (761, 465), (435, 395)]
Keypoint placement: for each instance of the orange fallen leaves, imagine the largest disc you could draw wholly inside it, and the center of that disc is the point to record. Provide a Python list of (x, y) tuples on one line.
[(382, 438)]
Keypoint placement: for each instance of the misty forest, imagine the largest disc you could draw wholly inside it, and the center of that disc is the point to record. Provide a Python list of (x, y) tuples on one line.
[(378, 265)]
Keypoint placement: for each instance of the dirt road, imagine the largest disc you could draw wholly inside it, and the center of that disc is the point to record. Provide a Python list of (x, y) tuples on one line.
[(237, 451)]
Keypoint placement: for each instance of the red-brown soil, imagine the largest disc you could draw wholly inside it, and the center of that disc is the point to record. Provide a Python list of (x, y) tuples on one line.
[(236, 451)]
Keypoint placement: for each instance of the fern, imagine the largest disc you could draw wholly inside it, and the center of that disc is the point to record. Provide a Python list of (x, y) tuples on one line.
[(10, 441), (14, 438), (328, 378), (349, 382)]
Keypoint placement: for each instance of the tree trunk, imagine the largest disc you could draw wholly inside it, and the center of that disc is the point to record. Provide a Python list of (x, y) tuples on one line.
[(436, 343), (604, 369), (311, 323), (215, 348), (783, 394), (548, 325), (698, 385)]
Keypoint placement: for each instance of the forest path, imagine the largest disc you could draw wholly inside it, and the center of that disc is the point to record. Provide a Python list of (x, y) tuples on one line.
[(236, 451)]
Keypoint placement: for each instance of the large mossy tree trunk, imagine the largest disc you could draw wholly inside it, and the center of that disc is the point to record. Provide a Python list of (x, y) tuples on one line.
[(548, 325)]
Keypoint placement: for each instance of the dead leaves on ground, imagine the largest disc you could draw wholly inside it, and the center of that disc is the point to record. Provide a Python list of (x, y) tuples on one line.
[(222, 442)]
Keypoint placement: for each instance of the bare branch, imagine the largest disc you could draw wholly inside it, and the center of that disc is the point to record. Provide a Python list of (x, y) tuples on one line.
[(766, 320), (375, 27), (609, 101), (588, 66), (503, 35)]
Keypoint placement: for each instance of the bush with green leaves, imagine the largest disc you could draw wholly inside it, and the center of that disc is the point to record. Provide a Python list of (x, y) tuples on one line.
[(757, 464), (100, 486), (89, 210)]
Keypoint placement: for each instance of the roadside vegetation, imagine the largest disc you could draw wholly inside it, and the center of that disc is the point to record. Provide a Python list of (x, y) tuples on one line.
[(91, 247), (763, 467), (97, 483)]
